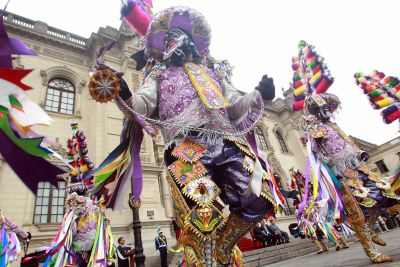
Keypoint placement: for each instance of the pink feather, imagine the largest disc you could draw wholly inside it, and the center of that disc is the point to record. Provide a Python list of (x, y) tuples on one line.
[(137, 17)]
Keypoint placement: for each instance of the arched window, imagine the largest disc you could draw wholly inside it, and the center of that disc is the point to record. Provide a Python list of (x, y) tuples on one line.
[(261, 139), (60, 96), (282, 142), (49, 205)]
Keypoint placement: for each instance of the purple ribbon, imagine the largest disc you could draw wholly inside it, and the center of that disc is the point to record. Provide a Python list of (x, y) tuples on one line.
[(102, 51), (305, 197), (137, 174)]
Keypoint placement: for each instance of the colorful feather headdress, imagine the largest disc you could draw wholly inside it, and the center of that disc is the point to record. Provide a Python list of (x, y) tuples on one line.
[(311, 75), (383, 92)]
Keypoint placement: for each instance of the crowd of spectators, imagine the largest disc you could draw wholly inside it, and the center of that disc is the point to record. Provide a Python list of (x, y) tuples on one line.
[(270, 234)]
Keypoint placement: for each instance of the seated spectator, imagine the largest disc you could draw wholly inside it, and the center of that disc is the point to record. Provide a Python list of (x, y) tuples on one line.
[(282, 235), (260, 234)]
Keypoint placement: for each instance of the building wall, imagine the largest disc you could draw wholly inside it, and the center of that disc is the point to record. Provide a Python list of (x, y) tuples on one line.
[(389, 152)]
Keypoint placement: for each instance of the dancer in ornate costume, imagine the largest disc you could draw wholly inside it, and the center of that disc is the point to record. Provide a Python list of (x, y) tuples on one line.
[(332, 153), (11, 237), (205, 123), (84, 237)]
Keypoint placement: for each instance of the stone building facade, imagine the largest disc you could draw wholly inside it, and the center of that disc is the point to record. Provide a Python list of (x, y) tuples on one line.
[(60, 77)]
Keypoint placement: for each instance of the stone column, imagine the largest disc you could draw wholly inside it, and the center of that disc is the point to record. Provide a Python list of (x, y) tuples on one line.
[(166, 195)]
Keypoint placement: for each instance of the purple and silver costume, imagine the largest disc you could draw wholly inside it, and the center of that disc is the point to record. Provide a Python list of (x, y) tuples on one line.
[(172, 95), (343, 158)]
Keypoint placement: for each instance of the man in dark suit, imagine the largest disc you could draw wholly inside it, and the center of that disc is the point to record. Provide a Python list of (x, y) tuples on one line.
[(123, 253)]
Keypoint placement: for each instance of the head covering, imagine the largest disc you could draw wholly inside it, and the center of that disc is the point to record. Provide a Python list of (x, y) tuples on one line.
[(159, 230), (186, 19), (321, 103), (79, 188), (311, 76)]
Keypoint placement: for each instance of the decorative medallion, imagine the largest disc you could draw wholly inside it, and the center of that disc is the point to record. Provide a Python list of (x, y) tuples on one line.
[(384, 185), (248, 164), (205, 221), (361, 192), (202, 190), (104, 86), (373, 176), (189, 151), (368, 202), (318, 133), (355, 183), (390, 194), (184, 172), (351, 174)]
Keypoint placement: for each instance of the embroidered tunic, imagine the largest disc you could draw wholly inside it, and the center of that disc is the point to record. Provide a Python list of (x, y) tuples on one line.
[(334, 150), (172, 97)]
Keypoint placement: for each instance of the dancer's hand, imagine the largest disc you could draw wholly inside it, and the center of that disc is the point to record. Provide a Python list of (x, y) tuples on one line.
[(266, 88), (363, 156)]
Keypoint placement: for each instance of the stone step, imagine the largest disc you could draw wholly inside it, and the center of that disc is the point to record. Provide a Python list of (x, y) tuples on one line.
[(264, 256), (269, 255)]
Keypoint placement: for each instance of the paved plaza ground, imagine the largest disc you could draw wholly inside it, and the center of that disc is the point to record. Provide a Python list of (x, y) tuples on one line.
[(353, 256)]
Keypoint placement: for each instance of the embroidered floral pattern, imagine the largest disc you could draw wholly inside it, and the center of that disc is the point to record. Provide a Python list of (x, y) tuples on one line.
[(189, 151), (184, 172), (202, 190)]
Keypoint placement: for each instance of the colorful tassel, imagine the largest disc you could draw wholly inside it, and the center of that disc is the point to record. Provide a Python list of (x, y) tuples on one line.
[(382, 92), (137, 14)]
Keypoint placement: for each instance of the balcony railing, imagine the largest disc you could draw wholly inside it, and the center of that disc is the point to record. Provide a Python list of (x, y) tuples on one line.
[(43, 28)]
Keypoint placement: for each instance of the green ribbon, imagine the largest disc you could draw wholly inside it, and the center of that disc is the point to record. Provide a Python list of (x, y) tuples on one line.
[(333, 176), (14, 102)]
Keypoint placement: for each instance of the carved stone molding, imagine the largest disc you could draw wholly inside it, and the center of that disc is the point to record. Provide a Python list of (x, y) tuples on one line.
[(81, 85), (64, 56), (273, 161), (63, 72)]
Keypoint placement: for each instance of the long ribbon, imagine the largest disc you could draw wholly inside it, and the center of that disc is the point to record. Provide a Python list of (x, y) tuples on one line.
[(137, 175), (277, 195), (307, 181)]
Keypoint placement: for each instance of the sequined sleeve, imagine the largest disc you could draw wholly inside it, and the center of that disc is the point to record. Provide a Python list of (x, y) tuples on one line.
[(143, 101), (241, 105)]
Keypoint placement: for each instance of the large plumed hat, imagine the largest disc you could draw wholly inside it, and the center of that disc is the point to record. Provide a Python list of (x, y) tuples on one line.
[(154, 28)]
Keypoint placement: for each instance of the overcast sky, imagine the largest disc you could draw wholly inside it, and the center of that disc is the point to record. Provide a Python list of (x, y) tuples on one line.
[(260, 37)]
